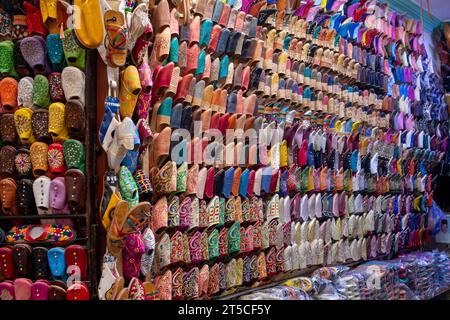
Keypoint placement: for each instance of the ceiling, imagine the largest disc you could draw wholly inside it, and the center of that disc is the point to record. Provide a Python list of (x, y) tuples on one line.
[(439, 8)]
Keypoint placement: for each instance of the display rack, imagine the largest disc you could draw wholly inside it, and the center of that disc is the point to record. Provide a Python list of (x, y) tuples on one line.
[(88, 238)]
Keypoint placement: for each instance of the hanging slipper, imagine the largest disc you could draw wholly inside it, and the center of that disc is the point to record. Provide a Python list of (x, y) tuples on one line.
[(115, 241), (130, 87), (74, 54), (5, 26), (139, 22), (88, 24), (116, 38), (183, 7), (49, 15), (34, 20), (142, 44)]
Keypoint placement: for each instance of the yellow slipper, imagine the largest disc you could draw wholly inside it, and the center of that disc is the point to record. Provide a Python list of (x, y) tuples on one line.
[(88, 23)]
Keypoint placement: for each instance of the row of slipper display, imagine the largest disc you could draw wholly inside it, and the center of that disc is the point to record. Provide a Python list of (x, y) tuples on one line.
[(25, 289), (61, 195), (22, 260)]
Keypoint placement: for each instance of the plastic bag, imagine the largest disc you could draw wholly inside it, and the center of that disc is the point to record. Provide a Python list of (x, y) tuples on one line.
[(434, 219)]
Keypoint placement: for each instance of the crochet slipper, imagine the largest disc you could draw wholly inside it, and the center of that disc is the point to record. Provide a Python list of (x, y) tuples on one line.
[(89, 30), (35, 54), (74, 54), (41, 91), (8, 92), (116, 38), (73, 83), (7, 59)]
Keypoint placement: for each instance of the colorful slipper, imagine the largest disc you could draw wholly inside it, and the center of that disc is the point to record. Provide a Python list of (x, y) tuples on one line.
[(116, 38), (74, 54)]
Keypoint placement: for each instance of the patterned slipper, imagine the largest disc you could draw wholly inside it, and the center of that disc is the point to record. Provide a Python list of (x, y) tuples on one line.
[(73, 83), (34, 52), (55, 51), (25, 92), (74, 118), (74, 54)]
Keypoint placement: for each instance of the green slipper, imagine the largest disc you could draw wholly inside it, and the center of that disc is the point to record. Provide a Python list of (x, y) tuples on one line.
[(41, 91), (128, 187), (173, 53), (75, 55), (75, 154), (7, 59)]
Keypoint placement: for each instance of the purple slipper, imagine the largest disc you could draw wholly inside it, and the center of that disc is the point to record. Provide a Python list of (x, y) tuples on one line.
[(35, 54)]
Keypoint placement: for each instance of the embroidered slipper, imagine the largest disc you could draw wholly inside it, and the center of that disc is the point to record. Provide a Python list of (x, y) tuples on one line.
[(34, 52), (25, 92), (56, 88), (142, 44), (55, 51), (22, 121), (130, 87), (139, 23), (74, 154), (73, 83), (74, 118), (128, 187), (74, 54), (161, 47), (39, 124)]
